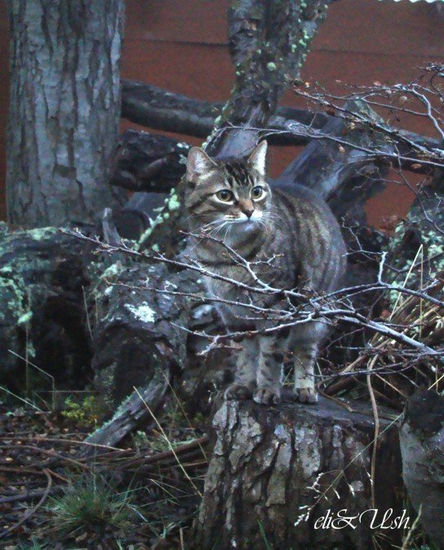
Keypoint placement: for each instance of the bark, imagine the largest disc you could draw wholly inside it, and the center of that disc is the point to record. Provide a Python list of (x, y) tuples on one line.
[(133, 334), (133, 412), (64, 109), (268, 43), (422, 449), (272, 465), (163, 110), (326, 164), (147, 162), (42, 318), (136, 216), (138, 341), (159, 109)]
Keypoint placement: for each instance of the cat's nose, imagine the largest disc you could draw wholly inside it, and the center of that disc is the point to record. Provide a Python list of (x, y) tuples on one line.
[(247, 209)]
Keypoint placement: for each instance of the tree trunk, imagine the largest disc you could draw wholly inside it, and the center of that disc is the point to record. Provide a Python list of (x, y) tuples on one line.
[(268, 45), (271, 466), (64, 111)]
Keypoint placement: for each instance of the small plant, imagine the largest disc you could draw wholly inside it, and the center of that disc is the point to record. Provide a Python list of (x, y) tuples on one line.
[(91, 505), (140, 439), (87, 412), (33, 545)]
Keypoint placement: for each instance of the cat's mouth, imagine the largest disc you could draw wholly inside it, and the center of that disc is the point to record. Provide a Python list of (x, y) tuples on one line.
[(244, 219)]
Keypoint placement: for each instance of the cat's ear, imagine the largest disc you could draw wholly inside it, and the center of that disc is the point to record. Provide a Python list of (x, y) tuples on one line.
[(198, 164), (258, 157)]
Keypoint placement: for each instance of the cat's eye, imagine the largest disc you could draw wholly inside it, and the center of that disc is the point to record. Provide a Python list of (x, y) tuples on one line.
[(225, 195), (257, 192)]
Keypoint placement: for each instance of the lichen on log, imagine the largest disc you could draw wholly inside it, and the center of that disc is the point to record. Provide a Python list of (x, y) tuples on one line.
[(42, 319)]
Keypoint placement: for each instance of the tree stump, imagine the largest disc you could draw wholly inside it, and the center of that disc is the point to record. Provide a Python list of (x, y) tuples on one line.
[(278, 476), (422, 450)]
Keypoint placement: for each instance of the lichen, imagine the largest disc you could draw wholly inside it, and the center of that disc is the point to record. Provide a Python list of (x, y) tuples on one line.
[(143, 312), (24, 318), (421, 265), (171, 204), (172, 201), (112, 271), (4, 229), (41, 233)]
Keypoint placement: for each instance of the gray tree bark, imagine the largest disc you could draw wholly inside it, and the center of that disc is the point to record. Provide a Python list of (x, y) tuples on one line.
[(64, 109), (272, 466), (422, 449)]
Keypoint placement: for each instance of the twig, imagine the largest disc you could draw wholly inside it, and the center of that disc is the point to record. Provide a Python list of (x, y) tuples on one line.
[(376, 434), (33, 510)]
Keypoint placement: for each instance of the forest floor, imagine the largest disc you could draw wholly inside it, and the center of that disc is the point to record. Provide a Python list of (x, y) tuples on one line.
[(142, 494)]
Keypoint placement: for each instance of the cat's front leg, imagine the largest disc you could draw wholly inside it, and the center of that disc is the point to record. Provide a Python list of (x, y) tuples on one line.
[(269, 372), (245, 377), (304, 381)]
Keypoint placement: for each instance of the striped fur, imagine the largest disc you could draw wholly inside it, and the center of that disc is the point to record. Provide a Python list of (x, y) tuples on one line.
[(291, 241)]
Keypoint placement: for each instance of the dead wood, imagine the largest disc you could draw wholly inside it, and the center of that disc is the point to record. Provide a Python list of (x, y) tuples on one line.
[(276, 473)]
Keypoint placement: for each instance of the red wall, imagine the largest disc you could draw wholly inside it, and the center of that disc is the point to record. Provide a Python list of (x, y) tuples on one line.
[(181, 46)]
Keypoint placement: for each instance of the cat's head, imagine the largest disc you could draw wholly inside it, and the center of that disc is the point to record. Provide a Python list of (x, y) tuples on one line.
[(231, 194)]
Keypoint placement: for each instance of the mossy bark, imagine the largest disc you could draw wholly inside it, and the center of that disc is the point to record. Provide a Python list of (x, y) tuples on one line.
[(139, 339), (268, 44), (42, 318)]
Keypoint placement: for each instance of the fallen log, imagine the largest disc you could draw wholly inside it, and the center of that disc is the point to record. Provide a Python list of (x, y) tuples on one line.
[(136, 328), (42, 317), (138, 341), (159, 109), (147, 162)]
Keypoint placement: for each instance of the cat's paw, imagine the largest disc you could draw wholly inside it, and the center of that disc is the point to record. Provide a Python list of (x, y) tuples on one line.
[(267, 396), (238, 391), (306, 395)]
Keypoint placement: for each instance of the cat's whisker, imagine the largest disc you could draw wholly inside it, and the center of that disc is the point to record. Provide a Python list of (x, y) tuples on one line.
[(213, 233)]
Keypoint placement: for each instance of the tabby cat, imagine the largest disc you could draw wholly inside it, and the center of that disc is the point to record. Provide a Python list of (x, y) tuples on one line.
[(290, 241)]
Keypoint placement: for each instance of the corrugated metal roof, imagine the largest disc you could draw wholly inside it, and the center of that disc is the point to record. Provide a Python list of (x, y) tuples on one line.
[(413, 1)]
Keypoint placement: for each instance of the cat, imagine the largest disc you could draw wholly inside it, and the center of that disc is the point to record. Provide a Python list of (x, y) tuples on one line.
[(290, 241)]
